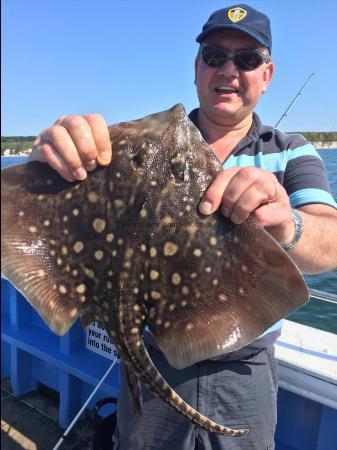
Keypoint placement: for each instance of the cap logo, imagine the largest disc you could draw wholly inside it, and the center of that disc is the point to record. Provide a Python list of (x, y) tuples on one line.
[(236, 14)]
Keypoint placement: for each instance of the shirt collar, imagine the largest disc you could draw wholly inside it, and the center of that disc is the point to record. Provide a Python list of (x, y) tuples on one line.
[(257, 130)]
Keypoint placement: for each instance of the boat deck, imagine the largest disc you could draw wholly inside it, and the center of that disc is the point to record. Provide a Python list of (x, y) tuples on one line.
[(307, 401), (30, 422)]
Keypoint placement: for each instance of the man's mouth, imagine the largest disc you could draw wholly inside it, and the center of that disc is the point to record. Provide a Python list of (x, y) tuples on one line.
[(226, 90)]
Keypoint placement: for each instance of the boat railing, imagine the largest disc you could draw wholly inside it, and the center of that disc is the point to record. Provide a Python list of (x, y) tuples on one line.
[(323, 295)]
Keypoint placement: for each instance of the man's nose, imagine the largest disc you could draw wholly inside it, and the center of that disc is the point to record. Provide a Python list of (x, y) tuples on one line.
[(229, 69)]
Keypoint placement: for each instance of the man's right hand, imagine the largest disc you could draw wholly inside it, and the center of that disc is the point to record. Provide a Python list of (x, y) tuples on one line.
[(74, 145)]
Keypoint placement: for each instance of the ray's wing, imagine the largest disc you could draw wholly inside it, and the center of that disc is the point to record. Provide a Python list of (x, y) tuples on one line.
[(223, 291), (63, 243), (34, 242), (211, 286), (69, 246)]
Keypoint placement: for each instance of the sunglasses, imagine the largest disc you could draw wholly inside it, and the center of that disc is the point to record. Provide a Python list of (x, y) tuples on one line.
[(246, 60)]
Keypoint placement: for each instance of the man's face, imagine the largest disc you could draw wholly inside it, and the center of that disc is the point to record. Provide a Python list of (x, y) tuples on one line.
[(245, 88)]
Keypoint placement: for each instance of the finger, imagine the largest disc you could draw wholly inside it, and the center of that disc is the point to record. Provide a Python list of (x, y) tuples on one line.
[(82, 136), (59, 120), (38, 139), (212, 198), (59, 138), (257, 194), (100, 132), (242, 180), (47, 153), (272, 214), (89, 165)]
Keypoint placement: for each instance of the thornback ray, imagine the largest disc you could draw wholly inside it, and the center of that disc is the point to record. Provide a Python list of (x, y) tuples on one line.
[(128, 247)]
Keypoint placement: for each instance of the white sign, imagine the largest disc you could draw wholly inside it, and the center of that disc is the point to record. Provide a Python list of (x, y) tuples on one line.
[(98, 341)]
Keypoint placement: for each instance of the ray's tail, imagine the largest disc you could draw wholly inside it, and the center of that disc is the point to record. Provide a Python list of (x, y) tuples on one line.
[(136, 355)]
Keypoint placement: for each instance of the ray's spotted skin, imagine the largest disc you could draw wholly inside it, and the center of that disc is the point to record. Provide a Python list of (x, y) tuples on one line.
[(128, 247)]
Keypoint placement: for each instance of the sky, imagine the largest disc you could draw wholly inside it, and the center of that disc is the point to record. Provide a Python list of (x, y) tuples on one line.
[(126, 59)]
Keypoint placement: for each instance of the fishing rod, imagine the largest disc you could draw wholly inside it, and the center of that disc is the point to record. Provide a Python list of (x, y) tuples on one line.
[(295, 98), (78, 415)]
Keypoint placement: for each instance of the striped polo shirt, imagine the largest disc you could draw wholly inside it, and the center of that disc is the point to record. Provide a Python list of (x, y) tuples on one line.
[(295, 163)]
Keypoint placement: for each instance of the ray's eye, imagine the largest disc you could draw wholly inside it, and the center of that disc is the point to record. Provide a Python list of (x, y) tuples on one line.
[(139, 158), (178, 164)]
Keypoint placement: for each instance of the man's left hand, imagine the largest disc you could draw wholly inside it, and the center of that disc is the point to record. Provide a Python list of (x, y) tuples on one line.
[(240, 192)]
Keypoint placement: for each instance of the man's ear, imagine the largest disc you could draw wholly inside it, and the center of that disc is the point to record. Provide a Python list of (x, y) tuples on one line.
[(268, 75), (196, 67)]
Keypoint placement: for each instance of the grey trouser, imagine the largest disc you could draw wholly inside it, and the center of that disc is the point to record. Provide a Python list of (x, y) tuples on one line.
[(236, 393)]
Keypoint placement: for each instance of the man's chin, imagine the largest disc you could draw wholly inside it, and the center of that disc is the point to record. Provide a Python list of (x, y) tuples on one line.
[(223, 114), (226, 111)]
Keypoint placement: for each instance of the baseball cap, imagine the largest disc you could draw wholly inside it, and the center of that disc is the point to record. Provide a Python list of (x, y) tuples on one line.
[(239, 17)]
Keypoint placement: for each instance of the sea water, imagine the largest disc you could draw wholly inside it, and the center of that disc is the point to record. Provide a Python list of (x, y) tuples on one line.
[(316, 313)]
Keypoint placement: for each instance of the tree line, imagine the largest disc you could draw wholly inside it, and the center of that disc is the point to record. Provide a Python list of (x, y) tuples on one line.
[(319, 136), (16, 144)]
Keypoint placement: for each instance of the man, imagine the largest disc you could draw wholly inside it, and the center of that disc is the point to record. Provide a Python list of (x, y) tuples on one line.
[(266, 174)]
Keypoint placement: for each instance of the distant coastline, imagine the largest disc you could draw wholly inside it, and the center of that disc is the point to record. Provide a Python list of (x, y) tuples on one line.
[(16, 145), (325, 145), (8, 153), (22, 145), (318, 145)]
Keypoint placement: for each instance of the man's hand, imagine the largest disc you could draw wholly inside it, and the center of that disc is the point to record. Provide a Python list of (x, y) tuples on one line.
[(239, 192), (74, 145)]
